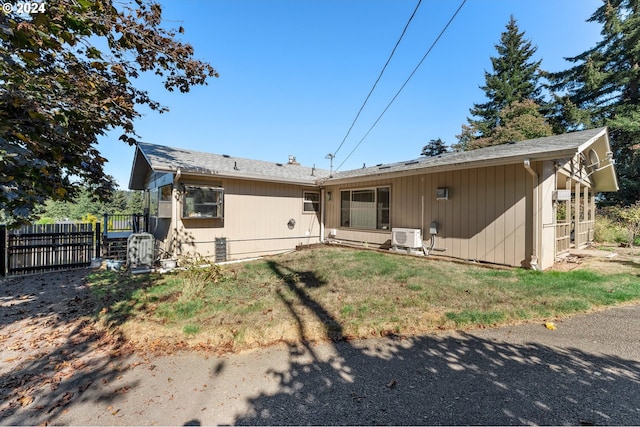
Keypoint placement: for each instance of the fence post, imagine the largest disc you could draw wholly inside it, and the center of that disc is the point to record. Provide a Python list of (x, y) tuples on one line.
[(106, 223), (98, 240), (3, 250), (135, 222), (146, 220)]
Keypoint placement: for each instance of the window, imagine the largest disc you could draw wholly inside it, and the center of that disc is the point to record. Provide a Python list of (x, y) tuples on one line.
[(164, 201), (158, 201), (367, 208), (165, 193), (311, 201), (153, 202), (203, 202)]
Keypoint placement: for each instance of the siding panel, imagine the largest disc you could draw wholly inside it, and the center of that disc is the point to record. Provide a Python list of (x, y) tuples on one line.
[(490, 209), (520, 241), (255, 222), (481, 213), (471, 214), (485, 217), (509, 221)]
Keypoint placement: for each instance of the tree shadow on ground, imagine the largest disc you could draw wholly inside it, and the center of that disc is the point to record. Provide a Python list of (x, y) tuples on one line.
[(456, 379), (452, 380), (298, 282), (53, 356)]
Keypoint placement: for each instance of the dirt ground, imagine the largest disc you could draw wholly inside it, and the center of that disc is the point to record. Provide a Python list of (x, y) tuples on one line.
[(50, 349), (52, 354), (603, 258)]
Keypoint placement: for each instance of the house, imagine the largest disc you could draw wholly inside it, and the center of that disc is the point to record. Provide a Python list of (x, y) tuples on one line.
[(226, 207), (519, 204)]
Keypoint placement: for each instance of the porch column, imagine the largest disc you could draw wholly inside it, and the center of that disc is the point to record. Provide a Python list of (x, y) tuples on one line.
[(587, 211), (567, 204)]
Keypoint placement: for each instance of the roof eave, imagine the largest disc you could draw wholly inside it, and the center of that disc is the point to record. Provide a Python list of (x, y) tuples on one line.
[(244, 176), (558, 154), (135, 184)]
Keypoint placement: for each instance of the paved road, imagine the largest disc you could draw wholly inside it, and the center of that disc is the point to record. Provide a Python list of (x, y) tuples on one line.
[(585, 372)]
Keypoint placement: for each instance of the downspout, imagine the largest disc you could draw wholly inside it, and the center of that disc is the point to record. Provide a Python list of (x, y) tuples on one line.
[(322, 213), (536, 190), (176, 202)]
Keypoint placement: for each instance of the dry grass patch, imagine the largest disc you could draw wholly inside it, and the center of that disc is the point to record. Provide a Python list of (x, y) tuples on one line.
[(337, 293)]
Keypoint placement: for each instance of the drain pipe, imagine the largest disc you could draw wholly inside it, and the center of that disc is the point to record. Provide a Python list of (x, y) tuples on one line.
[(176, 201), (535, 242), (323, 193)]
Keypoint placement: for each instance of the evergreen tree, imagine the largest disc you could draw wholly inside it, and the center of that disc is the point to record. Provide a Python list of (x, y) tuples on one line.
[(435, 147), (520, 120), (86, 204), (56, 210), (603, 89), (515, 78), (118, 203), (135, 202)]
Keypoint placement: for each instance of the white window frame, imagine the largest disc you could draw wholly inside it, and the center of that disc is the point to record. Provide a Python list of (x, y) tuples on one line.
[(310, 205), (363, 216)]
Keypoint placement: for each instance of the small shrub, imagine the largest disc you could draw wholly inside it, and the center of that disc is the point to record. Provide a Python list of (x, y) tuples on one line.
[(607, 230), (198, 273), (628, 220)]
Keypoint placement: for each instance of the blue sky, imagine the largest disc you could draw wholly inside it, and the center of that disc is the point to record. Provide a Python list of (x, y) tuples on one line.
[(293, 75)]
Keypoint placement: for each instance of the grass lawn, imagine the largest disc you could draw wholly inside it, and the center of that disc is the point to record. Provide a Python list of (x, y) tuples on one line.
[(335, 293)]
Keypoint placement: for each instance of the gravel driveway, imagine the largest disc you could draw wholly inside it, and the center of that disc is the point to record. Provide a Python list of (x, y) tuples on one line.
[(56, 368)]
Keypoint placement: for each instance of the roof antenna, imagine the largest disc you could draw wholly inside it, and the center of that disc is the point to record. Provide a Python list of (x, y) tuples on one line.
[(235, 166), (330, 157)]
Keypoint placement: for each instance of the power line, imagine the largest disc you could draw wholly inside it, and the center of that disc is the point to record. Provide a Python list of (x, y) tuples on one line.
[(378, 79), (405, 83)]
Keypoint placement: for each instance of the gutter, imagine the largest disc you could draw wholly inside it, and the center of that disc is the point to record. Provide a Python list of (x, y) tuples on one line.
[(385, 173), (536, 213), (249, 177)]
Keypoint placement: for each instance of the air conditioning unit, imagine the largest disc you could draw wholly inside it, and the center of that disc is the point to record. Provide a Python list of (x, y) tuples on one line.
[(406, 237), (140, 250)]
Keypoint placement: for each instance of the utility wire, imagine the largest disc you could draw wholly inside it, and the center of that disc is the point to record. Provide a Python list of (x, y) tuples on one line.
[(405, 83), (378, 79)]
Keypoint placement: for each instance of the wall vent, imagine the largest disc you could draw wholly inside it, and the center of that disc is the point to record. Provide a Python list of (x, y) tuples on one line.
[(221, 249)]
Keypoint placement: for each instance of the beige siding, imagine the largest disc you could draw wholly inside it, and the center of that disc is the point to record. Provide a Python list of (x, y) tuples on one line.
[(256, 218), (484, 219), (548, 233)]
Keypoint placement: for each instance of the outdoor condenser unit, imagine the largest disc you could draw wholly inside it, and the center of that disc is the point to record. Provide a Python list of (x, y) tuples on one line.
[(140, 250), (406, 237)]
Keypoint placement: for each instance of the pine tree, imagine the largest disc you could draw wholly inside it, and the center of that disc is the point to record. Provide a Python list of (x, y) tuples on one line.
[(135, 202), (603, 89), (521, 120), (435, 147), (515, 78)]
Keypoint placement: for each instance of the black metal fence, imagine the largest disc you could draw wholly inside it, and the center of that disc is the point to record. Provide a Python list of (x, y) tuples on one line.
[(132, 223), (48, 247), (51, 247), (116, 230)]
